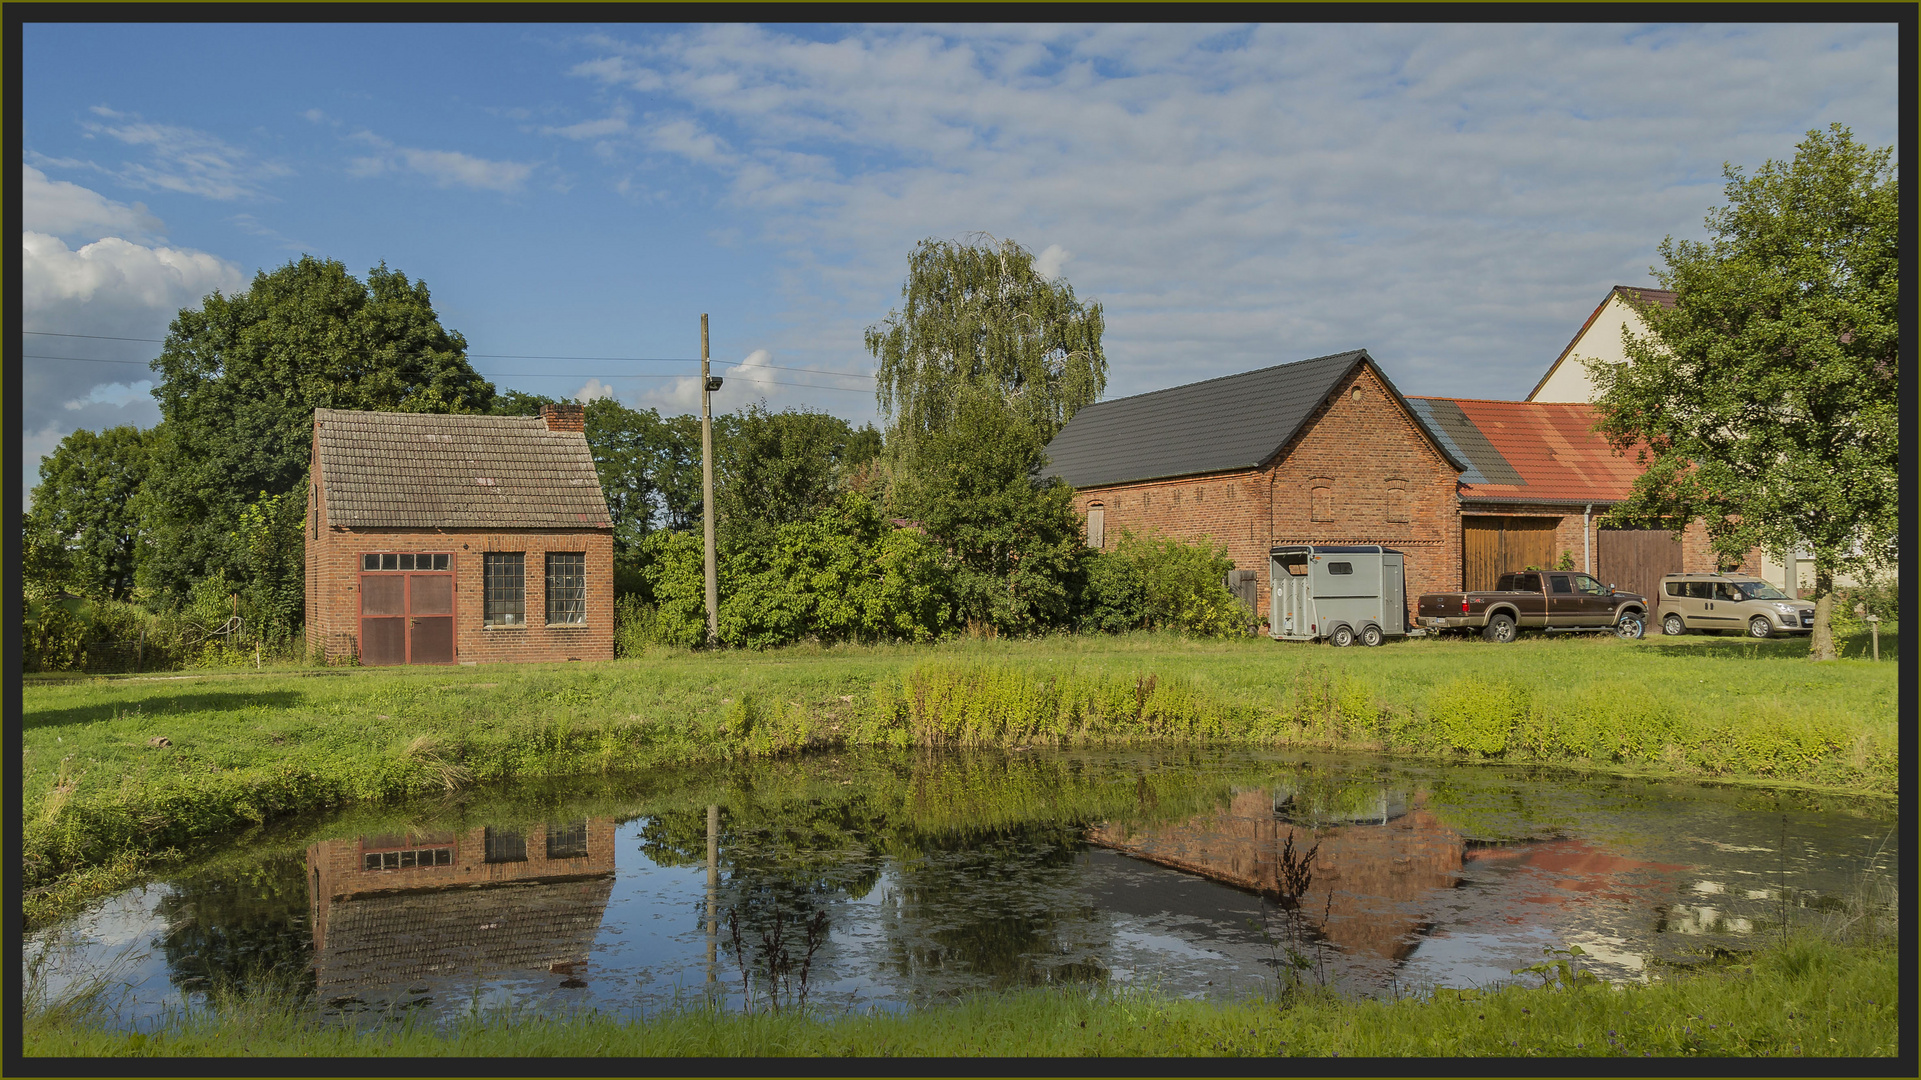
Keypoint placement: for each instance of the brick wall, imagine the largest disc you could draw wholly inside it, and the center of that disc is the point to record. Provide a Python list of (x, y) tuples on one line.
[(1371, 457), (333, 581)]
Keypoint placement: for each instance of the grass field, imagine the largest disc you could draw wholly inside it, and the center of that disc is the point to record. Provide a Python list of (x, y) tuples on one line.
[(119, 772), (1808, 997)]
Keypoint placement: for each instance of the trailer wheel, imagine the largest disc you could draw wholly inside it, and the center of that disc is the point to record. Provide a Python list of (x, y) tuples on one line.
[(1342, 637), (1370, 635), (1500, 628)]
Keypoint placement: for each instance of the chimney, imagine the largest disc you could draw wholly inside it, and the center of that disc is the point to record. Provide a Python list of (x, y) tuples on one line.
[(567, 416)]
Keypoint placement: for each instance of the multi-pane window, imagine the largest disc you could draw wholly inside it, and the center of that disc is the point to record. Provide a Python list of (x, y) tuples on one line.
[(506, 589), (567, 841), (505, 845), (408, 860), (392, 560), (566, 587)]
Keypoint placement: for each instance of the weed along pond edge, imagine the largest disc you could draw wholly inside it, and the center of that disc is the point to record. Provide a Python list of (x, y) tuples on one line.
[(121, 776)]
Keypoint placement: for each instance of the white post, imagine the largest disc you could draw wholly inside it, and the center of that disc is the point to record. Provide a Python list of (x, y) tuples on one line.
[(1587, 545)]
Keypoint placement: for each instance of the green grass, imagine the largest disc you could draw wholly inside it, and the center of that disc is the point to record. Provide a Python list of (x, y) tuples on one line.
[(100, 802), (1810, 996)]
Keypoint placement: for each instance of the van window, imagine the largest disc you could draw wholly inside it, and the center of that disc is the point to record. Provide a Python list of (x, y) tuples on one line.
[(1676, 588), (1340, 568), (1560, 584), (1725, 591), (1701, 590)]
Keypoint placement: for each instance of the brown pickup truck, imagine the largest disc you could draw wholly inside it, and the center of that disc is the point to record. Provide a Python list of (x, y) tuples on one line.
[(1536, 600)]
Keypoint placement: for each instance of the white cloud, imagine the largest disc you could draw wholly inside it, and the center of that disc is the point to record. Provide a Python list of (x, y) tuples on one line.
[(185, 160), (115, 273), (594, 389), (615, 123), (116, 394), (753, 374), (446, 168), (1455, 198), (61, 208)]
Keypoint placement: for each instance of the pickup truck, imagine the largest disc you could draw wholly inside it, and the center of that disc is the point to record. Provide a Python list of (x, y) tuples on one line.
[(1536, 600)]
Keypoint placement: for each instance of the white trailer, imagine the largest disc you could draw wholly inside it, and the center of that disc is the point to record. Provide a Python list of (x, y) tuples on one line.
[(1337, 593)]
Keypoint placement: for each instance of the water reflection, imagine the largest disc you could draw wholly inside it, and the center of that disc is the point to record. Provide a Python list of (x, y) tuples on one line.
[(420, 913), (901, 879)]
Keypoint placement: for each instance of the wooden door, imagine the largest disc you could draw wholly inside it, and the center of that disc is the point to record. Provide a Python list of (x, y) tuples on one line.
[(1634, 560), (1492, 546)]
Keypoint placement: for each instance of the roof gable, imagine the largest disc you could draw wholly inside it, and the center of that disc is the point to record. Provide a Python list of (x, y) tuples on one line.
[(1628, 293), (439, 470), (1227, 424)]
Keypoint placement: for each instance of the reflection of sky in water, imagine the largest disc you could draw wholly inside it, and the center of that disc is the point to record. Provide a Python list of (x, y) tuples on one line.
[(1627, 871)]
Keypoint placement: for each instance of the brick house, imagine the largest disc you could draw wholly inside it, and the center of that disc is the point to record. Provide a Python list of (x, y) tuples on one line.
[(1322, 451), (436, 539)]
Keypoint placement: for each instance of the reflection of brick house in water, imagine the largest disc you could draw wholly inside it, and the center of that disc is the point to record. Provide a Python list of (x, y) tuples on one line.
[(403, 911), (1383, 870)]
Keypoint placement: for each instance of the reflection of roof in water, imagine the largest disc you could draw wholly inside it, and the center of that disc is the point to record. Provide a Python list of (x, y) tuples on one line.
[(406, 937)]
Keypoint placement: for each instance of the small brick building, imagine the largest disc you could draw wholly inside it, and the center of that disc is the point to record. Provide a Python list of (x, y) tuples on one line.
[(440, 539)]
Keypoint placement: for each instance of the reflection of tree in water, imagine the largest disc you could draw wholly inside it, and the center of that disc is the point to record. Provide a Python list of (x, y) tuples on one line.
[(1002, 906), (239, 926)]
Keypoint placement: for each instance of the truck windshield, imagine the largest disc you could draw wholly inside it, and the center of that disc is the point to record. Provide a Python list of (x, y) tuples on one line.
[(1759, 590)]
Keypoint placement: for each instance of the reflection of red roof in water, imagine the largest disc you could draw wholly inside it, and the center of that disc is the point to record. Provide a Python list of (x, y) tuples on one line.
[(1577, 869)]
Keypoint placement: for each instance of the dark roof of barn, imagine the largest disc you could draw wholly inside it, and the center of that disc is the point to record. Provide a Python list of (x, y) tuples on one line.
[(436, 470), (1220, 425)]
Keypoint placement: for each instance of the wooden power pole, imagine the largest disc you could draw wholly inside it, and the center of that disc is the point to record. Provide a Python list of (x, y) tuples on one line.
[(707, 386)]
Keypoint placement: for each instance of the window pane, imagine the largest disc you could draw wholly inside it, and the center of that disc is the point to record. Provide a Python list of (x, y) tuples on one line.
[(566, 587), (506, 845), (567, 841), (390, 562), (440, 562), (370, 562), (1560, 583), (1340, 568), (505, 588), (406, 562)]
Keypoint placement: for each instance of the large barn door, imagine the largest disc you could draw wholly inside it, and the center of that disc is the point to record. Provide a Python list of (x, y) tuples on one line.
[(405, 617), (1492, 546), (1634, 560)]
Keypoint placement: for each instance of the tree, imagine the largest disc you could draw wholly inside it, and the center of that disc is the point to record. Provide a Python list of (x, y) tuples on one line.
[(84, 527), (1765, 400), (977, 314), (781, 468), (240, 377)]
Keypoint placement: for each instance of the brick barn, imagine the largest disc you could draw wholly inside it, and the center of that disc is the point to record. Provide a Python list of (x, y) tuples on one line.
[(1322, 451), (440, 539)]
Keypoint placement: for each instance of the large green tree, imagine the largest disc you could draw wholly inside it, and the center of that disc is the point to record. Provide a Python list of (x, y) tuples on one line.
[(1765, 400), (240, 377), (781, 468), (977, 314), (84, 529)]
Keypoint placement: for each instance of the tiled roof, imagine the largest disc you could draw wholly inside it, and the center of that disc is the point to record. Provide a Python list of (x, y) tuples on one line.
[(1529, 450), (1233, 422), (434, 470)]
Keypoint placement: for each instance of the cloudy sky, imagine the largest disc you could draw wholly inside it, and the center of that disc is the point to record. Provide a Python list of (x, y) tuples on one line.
[(1454, 198)]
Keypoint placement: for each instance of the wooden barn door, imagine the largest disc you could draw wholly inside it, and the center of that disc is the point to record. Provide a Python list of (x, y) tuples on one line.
[(1492, 546), (1634, 560), (407, 617)]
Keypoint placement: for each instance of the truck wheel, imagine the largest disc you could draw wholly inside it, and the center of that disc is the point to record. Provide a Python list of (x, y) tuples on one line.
[(1500, 628), (1631, 627), (1341, 638), (1370, 635), (1673, 626), (1760, 627)]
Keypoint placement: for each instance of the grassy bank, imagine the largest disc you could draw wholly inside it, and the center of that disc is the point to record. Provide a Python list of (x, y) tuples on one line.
[(119, 772), (1808, 997)]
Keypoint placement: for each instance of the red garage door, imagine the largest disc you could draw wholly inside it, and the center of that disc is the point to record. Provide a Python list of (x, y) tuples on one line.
[(406, 615)]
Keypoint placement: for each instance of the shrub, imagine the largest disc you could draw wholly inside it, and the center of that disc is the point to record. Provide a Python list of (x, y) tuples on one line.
[(636, 626), (56, 641), (1472, 716), (1114, 598), (1163, 584)]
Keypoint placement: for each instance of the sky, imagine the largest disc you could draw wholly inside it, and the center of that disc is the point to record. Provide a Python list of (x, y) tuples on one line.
[(1456, 199)]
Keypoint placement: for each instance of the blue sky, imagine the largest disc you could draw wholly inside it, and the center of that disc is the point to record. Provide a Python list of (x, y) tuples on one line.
[(1454, 198)]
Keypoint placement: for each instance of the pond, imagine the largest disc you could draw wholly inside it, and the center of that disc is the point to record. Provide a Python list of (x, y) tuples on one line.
[(894, 879)]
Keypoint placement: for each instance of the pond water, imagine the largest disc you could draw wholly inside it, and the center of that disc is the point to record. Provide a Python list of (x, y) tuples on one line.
[(862, 880)]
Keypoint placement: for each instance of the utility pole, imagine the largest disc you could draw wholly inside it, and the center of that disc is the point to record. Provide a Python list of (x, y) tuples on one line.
[(707, 386)]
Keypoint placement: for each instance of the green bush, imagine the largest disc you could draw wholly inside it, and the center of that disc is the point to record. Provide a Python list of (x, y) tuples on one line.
[(1114, 596), (636, 626), (1159, 583), (56, 641), (1472, 716)]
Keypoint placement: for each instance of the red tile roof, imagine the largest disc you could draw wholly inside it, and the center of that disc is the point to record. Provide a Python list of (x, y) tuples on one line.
[(1553, 449)]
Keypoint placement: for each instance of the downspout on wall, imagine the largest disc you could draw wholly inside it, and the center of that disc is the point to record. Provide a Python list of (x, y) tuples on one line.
[(1587, 543)]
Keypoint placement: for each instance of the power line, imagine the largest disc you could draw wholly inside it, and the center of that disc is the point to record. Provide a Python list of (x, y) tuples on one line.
[(548, 374), (482, 356)]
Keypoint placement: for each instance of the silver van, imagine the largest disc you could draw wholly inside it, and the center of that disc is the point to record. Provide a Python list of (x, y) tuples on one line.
[(1736, 603)]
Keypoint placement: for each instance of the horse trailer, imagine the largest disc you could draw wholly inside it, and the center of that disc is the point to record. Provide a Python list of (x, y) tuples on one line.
[(1337, 593)]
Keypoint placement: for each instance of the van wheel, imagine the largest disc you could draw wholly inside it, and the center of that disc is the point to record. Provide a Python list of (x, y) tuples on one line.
[(1341, 638), (1370, 635), (1500, 628), (1760, 627), (1630, 628), (1673, 626)]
